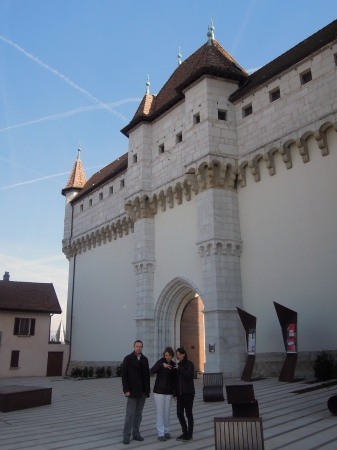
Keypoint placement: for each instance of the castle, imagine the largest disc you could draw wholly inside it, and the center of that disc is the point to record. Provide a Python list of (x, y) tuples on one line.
[(226, 198)]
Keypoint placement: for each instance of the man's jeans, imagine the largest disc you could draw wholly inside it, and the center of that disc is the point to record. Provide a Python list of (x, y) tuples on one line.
[(133, 417)]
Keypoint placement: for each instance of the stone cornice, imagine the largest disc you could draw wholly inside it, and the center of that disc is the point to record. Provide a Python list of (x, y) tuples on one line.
[(220, 246)]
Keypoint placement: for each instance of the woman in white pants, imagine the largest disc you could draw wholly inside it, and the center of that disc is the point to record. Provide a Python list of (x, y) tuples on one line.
[(163, 392)]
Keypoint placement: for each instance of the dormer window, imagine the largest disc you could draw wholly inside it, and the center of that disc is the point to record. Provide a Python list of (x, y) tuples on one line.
[(196, 119), (306, 77), (247, 111), (161, 149)]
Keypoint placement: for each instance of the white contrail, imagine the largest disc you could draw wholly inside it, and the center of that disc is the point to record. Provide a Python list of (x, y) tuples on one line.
[(243, 26), (66, 79), (70, 113), (44, 178)]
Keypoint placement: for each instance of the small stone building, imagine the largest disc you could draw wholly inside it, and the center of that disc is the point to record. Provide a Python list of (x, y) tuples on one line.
[(226, 198)]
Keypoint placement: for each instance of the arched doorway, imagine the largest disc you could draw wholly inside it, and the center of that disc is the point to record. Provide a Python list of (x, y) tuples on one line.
[(172, 303), (192, 332)]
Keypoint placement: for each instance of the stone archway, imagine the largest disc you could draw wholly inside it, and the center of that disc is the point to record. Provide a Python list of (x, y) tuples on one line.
[(192, 332), (170, 306)]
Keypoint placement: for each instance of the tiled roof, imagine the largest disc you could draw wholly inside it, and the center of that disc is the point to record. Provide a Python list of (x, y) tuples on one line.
[(102, 176), (77, 177), (30, 297), (288, 59), (208, 59)]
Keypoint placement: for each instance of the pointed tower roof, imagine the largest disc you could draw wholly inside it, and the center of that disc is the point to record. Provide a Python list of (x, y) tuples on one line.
[(211, 59), (77, 177)]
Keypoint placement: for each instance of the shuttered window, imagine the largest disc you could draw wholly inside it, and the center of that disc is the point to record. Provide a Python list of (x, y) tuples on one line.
[(15, 358), (24, 326)]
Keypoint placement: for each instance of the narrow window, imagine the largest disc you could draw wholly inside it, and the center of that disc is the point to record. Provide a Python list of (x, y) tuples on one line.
[(274, 95), (15, 359), (101, 196), (24, 327), (247, 111), (111, 190), (161, 149), (306, 77), (134, 158), (90, 202), (81, 208), (335, 56), (196, 118), (122, 184), (179, 137), (222, 115)]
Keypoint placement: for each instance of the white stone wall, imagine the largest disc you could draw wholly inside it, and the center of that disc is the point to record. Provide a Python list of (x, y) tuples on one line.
[(104, 305), (288, 226)]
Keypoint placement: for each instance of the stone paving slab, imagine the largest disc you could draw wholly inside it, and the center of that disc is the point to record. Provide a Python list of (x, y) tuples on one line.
[(89, 414)]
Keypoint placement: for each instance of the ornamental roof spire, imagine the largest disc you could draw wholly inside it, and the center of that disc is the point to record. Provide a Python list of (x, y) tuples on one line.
[(210, 33), (148, 84), (77, 178), (179, 57)]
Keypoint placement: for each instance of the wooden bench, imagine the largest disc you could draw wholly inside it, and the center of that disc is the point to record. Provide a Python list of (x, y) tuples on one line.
[(15, 397), (212, 390), (242, 399), (244, 433)]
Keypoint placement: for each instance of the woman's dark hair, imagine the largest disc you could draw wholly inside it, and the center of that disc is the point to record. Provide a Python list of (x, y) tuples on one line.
[(168, 350), (182, 351)]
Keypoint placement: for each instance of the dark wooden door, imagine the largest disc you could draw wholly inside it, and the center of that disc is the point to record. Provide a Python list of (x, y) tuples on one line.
[(54, 366)]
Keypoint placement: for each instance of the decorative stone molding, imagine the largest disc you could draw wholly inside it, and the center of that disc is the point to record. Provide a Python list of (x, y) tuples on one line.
[(270, 162), (101, 235), (303, 149), (144, 266), (320, 137), (254, 167), (286, 155), (219, 246)]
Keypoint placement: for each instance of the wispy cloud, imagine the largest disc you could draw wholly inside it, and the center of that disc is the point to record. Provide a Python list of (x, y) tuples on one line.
[(63, 77), (244, 25), (47, 177), (71, 113)]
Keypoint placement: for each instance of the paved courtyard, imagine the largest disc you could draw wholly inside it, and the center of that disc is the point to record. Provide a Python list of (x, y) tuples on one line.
[(89, 414)]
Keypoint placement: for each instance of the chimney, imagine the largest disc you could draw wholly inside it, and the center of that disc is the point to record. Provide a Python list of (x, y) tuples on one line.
[(6, 276)]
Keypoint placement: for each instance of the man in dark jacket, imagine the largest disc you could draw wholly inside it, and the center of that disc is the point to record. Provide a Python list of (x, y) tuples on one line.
[(136, 387)]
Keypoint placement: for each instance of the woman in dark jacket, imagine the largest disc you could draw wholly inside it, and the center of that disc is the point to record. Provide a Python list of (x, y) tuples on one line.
[(184, 394), (163, 391)]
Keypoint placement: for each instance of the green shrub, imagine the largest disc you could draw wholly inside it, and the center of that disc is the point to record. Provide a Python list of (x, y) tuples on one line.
[(108, 371), (90, 372), (76, 372), (85, 372), (100, 372), (324, 366), (119, 370)]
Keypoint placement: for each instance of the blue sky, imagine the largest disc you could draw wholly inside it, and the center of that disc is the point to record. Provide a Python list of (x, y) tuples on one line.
[(75, 70)]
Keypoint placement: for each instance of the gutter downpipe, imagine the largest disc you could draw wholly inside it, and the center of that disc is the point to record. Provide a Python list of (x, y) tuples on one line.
[(72, 292)]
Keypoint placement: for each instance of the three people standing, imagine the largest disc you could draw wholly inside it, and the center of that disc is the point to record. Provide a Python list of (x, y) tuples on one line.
[(173, 380)]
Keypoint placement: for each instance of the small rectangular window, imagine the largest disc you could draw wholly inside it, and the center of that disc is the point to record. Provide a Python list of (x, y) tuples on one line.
[(122, 184), (134, 158), (222, 115), (15, 359), (90, 202), (335, 56), (24, 327), (111, 190), (161, 149), (274, 95), (306, 77), (247, 111), (100, 196), (81, 208), (196, 118), (179, 137)]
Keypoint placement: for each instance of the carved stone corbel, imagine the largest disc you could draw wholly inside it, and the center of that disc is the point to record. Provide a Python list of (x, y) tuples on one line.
[(270, 162), (254, 169), (286, 156), (192, 180), (162, 200), (187, 190), (169, 196), (303, 149), (320, 137), (153, 205), (242, 173), (178, 193)]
